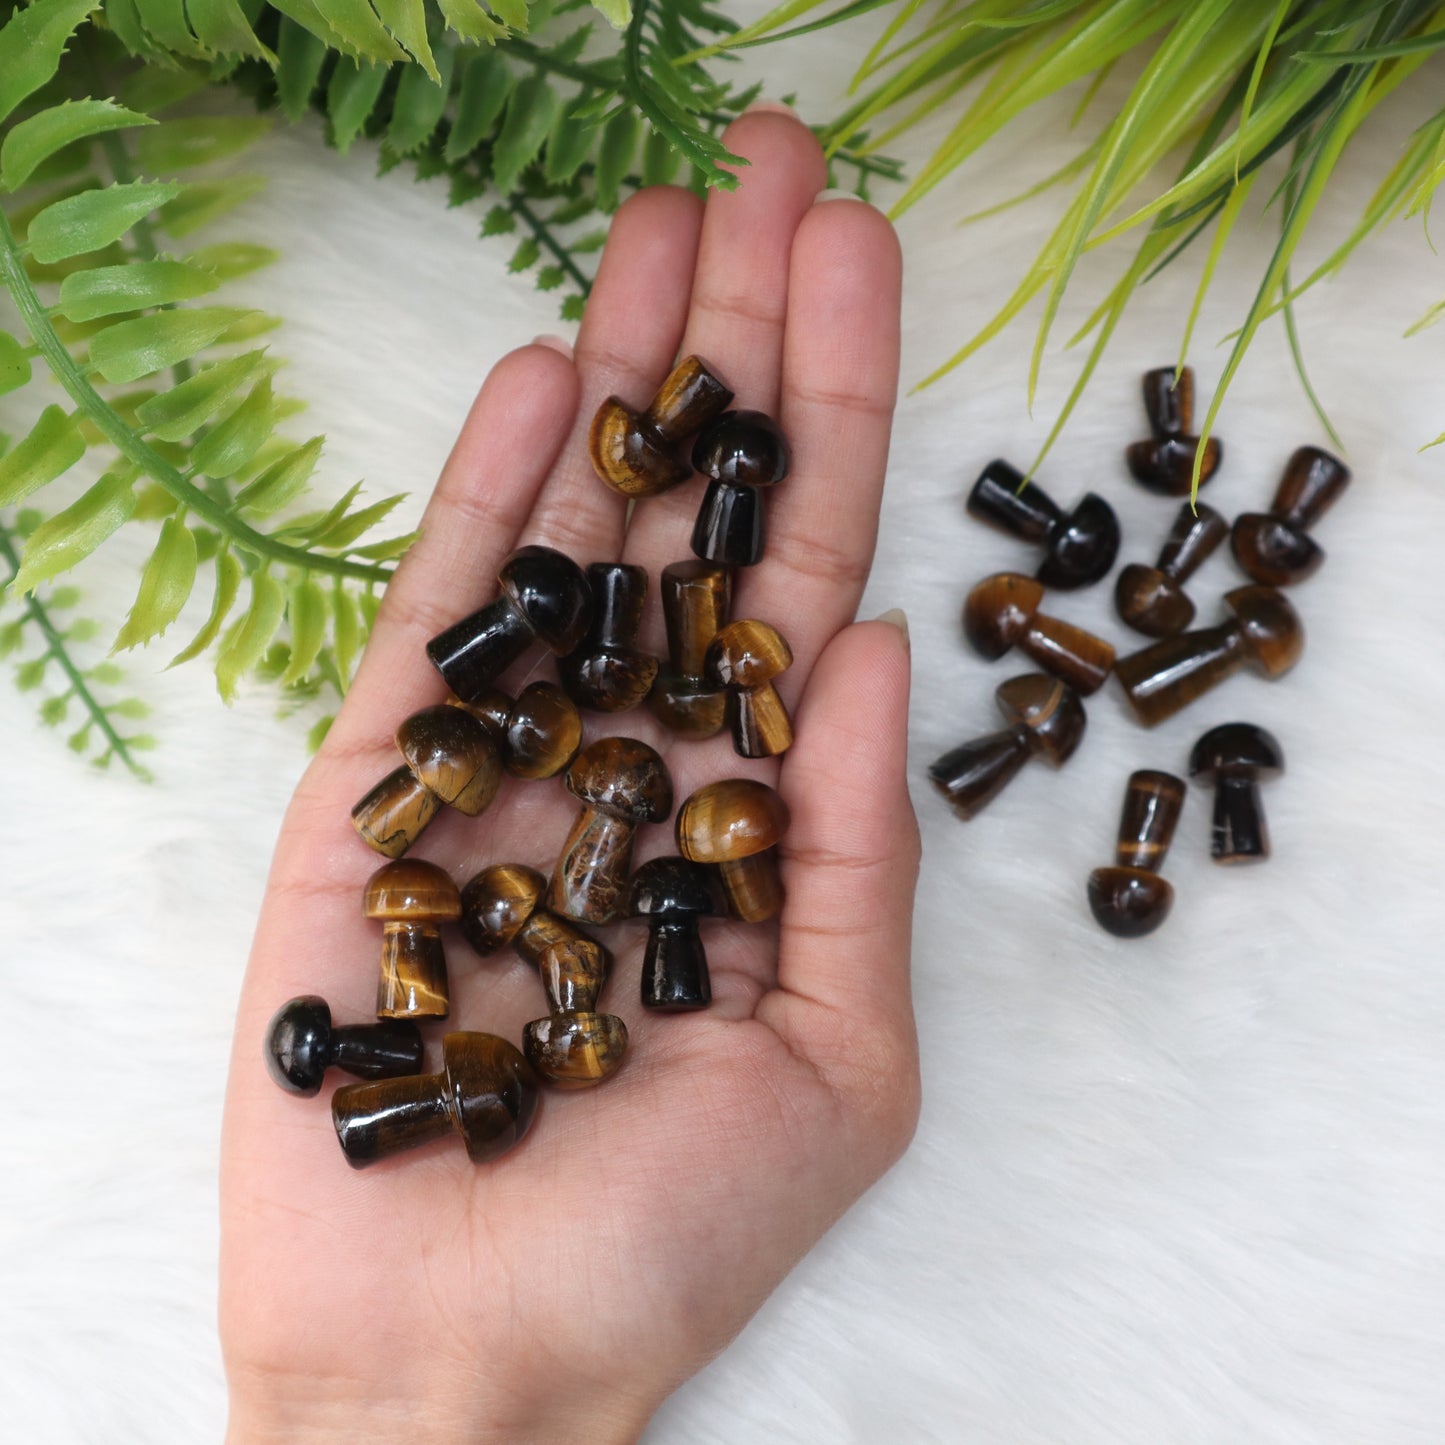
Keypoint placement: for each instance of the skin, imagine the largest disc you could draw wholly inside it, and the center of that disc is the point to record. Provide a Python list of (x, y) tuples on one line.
[(563, 1291)]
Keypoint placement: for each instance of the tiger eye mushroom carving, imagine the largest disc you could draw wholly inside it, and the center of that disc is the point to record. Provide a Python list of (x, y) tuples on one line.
[(1165, 463), (411, 898), (486, 1092), (695, 599), (743, 452), (672, 894), (538, 732), (736, 824), (621, 783), (1046, 720), (1152, 599), (608, 672), (1002, 612), (1234, 759), (1264, 631), (1079, 545), (745, 657), (1130, 899), (1275, 547), (544, 600), (636, 453), (302, 1043)]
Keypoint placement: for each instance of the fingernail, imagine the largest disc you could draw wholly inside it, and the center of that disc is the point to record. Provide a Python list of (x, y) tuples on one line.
[(776, 106), (896, 617), (559, 344)]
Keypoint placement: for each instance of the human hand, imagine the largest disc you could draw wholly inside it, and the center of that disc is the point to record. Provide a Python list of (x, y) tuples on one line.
[(565, 1289)]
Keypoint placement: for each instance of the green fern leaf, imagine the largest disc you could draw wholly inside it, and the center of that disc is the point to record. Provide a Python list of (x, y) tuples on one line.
[(406, 19), (222, 27), (70, 536), (179, 413), (246, 641), (568, 146), (52, 448), (230, 259), (470, 21), (418, 106), (164, 586), (354, 24), (14, 364), (387, 550), (226, 448), (347, 528), (614, 157), (531, 111), (128, 350), (307, 612), (346, 631), (481, 95), (617, 13), (113, 290), (196, 140), (36, 140), (350, 99), (202, 202), (299, 58), (228, 584), (93, 220), (283, 480), (165, 22), (525, 255), (32, 42)]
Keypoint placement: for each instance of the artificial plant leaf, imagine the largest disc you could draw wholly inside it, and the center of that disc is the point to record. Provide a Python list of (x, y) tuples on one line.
[(406, 19), (31, 44), (470, 21), (68, 537), (42, 136), (228, 583), (568, 145), (129, 350), (307, 612), (350, 98), (229, 445), (94, 219), (124, 21), (111, 290), (283, 480), (385, 550), (196, 140), (299, 58), (164, 586), (525, 255), (617, 13), (202, 202), (53, 446), (614, 156), (483, 92), (347, 528), (165, 21), (531, 109), (229, 259), (355, 24), (659, 161), (310, 525), (345, 631), (14, 364), (223, 27), (176, 414), (418, 106), (246, 641)]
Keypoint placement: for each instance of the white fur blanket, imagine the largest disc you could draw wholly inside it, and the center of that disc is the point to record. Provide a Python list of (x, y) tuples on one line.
[(1182, 1190)]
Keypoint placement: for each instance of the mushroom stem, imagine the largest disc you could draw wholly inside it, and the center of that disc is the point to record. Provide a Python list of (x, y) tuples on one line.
[(760, 723), (754, 888), (1240, 834), (573, 968), (376, 1051), (972, 775), (674, 966), (1160, 679), (413, 979), (1001, 496), (590, 881), (375, 1120), (730, 526), (471, 653)]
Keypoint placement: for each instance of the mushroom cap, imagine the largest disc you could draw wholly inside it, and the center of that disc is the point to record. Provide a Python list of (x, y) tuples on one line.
[(1167, 467), (1238, 748), (742, 448), (673, 885), (491, 707), (630, 454), (1271, 629), (493, 1092), (998, 611), (412, 891), (730, 819), (1129, 902), (543, 731), (576, 1050), (496, 902), (612, 680), (1049, 708), (1083, 546), (1273, 552), (298, 1042), (549, 591), (1151, 601), (748, 654), (623, 778), (454, 755)]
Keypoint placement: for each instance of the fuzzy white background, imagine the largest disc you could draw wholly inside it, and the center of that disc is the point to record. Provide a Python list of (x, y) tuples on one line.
[(1188, 1189)]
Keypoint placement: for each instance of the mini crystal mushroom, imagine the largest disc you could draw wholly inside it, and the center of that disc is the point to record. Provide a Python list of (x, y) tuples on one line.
[(607, 672), (635, 453), (745, 657), (1046, 720), (672, 894), (538, 732), (302, 1043), (1234, 759), (1275, 547), (695, 600), (1165, 464), (743, 452), (1263, 631), (544, 600), (574, 1046), (1130, 899), (736, 824), (1152, 599), (486, 1092), (411, 898), (1002, 612), (450, 758), (620, 783), (1079, 545)]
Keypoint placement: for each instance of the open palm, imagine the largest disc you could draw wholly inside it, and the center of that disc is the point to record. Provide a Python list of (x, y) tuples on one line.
[(565, 1289)]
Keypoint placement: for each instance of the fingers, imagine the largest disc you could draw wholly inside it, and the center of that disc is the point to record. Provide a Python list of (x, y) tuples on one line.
[(740, 295), (840, 380), (628, 341), (850, 859)]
